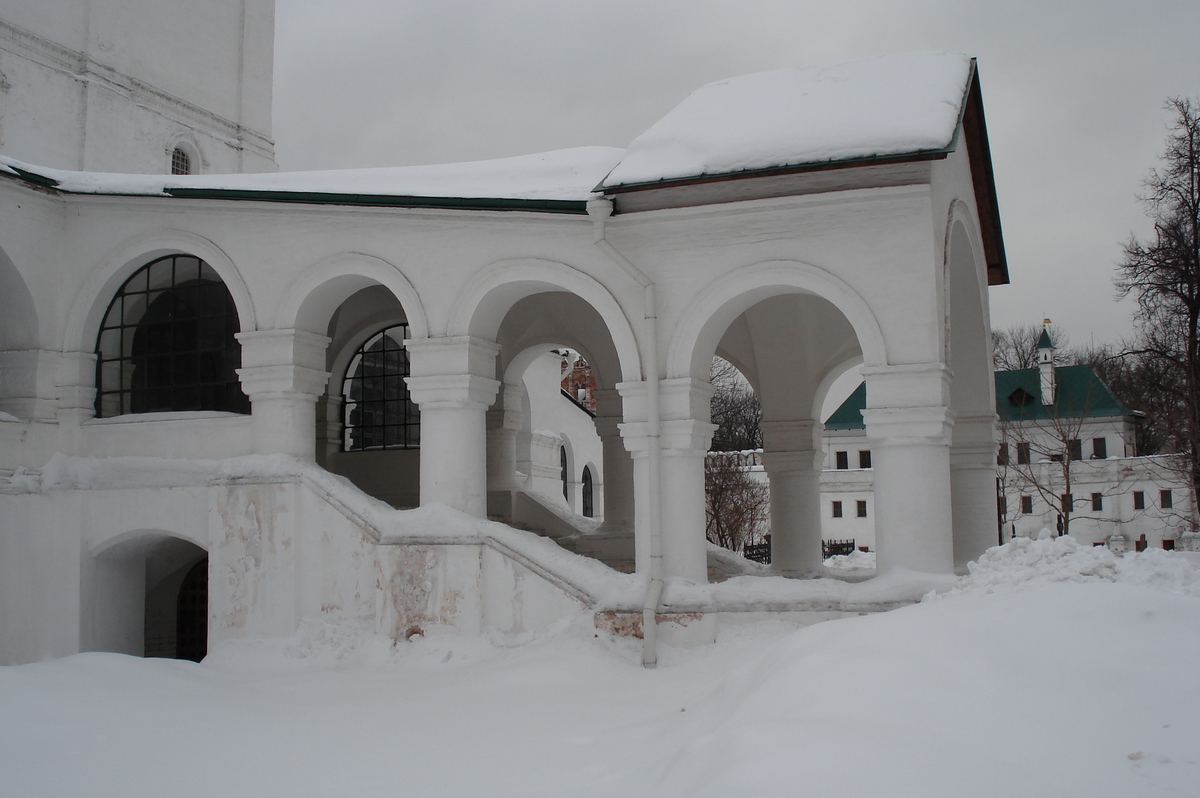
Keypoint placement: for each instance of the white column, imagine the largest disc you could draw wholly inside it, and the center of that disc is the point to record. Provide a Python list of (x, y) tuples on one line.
[(283, 373), (76, 387), (617, 465), (503, 423), (792, 458), (908, 425), (28, 382), (973, 487), (683, 443), (452, 381)]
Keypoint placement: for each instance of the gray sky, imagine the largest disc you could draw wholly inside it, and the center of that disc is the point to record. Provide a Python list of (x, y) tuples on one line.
[(1073, 93)]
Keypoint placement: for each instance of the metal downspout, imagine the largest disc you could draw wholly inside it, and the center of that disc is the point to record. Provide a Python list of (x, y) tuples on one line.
[(600, 210)]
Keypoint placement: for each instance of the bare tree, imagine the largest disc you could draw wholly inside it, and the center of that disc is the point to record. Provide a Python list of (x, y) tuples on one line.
[(1163, 273), (734, 409), (736, 504), (1015, 348)]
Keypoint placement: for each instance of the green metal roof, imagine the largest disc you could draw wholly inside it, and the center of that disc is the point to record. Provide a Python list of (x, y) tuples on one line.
[(1044, 341), (1078, 393)]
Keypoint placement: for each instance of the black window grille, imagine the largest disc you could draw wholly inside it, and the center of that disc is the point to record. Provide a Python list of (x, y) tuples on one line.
[(864, 459), (1097, 502), (1165, 499), (842, 460), (837, 509), (1075, 449), (1027, 505), (861, 509), (378, 412), (1099, 448), (1002, 455), (588, 500), (1068, 503), (562, 458), (167, 343), (181, 162), (1139, 500)]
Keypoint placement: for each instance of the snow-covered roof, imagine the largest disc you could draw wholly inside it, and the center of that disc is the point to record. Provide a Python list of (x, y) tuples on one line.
[(880, 107), (562, 175)]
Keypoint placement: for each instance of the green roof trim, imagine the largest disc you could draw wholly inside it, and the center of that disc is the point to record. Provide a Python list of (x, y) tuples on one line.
[(32, 177), (578, 207), (849, 413), (1044, 341), (1079, 393)]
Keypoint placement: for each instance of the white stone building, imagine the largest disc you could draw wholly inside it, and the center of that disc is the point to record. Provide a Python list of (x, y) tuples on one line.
[(1066, 462), (188, 363)]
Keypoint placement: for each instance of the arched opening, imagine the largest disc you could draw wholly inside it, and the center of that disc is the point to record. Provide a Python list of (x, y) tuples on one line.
[(147, 595), (974, 506), (167, 343), (368, 427), (777, 351), (548, 407)]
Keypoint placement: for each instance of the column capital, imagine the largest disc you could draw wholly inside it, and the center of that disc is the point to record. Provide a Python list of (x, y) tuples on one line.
[(285, 363), (452, 372), (791, 436), (803, 460), (909, 425), (909, 385)]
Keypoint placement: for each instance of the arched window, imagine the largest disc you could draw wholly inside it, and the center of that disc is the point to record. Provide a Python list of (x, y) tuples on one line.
[(167, 343), (378, 412), (562, 458), (589, 510), (181, 162)]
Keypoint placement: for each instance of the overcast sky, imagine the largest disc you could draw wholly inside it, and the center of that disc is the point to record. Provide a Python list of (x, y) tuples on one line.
[(1073, 94)]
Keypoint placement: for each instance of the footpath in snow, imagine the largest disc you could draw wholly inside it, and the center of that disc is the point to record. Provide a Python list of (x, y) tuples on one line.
[(1051, 670)]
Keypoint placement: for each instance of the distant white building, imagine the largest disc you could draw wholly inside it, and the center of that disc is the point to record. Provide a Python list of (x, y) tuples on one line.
[(1065, 460)]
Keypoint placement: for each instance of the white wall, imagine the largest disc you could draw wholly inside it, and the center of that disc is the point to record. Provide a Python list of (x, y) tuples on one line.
[(113, 87)]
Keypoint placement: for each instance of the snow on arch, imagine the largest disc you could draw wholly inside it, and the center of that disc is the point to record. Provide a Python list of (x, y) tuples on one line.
[(311, 299), (486, 297), (93, 298), (713, 309)]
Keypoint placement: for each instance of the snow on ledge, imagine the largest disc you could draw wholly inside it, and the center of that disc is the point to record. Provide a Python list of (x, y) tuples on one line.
[(878, 107), (569, 174)]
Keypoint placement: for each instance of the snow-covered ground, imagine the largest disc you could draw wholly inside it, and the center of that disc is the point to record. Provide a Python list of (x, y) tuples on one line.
[(1053, 670)]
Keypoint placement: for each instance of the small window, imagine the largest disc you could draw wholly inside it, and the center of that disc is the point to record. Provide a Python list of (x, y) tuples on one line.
[(1075, 449), (1027, 505), (588, 502), (1068, 502), (1139, 500), (862, 509), (1021, 398), (837, 509), (1022, 454), (1002, 455), (864, 459), (562, 460), (1165, 499), (1097, 502), (181, 162), (1099, 448), (843, 460), (1001, 507)]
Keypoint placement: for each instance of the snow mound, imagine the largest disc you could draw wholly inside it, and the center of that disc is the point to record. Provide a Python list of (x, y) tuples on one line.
[(877, 107), (854, 561), (1023, 561)]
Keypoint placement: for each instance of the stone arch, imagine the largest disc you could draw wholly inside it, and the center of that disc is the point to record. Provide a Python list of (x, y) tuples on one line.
[(311, 299), (130, 590), (968, 326), (92, 300), (482, 304), (719, 303)]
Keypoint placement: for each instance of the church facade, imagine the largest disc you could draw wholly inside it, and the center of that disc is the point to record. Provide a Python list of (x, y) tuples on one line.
[(251, 371)]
